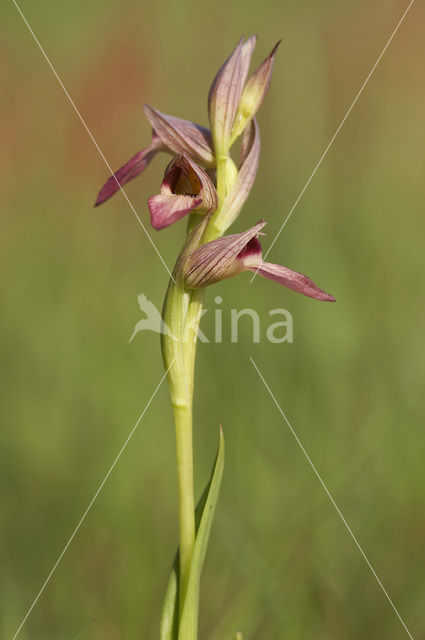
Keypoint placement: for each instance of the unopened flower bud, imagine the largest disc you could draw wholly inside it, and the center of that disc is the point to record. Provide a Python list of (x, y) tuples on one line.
[(254, 93)]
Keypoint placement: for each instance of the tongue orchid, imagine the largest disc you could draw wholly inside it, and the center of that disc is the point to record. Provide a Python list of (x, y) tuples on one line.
[(203, 184)]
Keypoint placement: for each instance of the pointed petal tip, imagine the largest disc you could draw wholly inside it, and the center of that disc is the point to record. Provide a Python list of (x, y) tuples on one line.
[(315, 293), (319, 294), (275, 48), (109, 188)]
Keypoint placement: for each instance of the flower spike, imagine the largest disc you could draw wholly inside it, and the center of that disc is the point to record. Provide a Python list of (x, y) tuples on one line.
[(185, 187), (228, 256)]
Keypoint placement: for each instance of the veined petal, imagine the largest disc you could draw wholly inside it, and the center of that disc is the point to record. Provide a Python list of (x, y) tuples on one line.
[(217, 260), (246, 55), (236, 198), (185, 187), (184, 176), (254, 93), (130, 170), (180, 178), (166, 209), (292, 279), (182, 136), (252, 259), (225, 93)]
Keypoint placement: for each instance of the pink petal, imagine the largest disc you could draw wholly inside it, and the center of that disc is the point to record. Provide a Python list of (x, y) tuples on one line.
[(217, 260), (130, 170), (292, 279), (246, 55), (166, 209), (182, 136)]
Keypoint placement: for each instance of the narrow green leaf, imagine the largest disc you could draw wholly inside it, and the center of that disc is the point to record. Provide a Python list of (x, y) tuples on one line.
[(169, 621), (189, 620), (170, 610)]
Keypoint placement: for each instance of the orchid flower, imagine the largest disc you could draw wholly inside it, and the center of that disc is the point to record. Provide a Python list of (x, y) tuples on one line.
[(230, 255), (204, 184)]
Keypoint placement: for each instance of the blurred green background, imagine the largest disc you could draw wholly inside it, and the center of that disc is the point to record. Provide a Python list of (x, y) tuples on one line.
[(280, 565)]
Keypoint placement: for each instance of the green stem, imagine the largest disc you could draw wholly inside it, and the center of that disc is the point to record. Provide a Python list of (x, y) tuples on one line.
[(221, 177), (184, 447), (226, 175), (182, 313)]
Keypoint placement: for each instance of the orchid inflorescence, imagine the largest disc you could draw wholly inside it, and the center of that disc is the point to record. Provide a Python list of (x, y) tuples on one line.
[(203, 183), (188, 184)]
